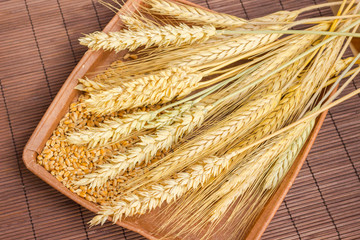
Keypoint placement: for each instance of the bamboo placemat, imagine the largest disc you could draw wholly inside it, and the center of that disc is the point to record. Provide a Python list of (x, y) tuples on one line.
[(39, 49)]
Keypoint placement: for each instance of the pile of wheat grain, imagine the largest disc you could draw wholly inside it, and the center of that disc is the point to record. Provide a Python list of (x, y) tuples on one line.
[(205, 120)]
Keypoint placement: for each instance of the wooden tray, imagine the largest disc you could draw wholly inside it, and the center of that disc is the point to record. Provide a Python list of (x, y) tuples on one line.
[(67, 94)]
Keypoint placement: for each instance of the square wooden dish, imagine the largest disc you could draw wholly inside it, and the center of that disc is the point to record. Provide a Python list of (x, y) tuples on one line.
[(89, 63)]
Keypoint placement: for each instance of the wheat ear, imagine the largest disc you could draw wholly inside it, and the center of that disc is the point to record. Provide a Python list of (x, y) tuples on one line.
[(290, 103), (193, 14), (247, 173), (161, 86), (286, 159), (87, 85), (168, 190), (157, 36), (135, 24), (111, 130), (293, 48), (237, 45), (151, 197), (233, 125), (163, 138), (116, 128), (229, 48)]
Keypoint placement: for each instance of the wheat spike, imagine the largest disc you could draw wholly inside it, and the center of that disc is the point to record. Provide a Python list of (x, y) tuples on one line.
[(247, 173), (163, 138), (293, 48), (237, 45), (286, 159), (233, 125), (193, 14), (157, 36), (169, 116), (148, 199), (280, 80), (287, 107), (113, 130), (229, 48), (135, 24), (88, 85), (212, 51), (325, 63), (168, 190), (161, 86)]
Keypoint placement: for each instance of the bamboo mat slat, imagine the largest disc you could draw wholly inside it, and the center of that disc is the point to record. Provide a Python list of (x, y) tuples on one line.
[(39, 49)]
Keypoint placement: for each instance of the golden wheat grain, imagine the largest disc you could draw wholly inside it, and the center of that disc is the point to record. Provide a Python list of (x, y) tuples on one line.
[(149, 145), (193, 14), (160, 36)]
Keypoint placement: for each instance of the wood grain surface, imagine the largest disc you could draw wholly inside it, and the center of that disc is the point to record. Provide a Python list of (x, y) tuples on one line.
[(39, 50)]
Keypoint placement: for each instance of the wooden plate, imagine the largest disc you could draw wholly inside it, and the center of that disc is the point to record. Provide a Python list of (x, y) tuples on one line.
[(143, 225)]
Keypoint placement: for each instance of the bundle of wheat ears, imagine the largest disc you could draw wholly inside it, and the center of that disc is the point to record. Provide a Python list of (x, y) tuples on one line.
[(229, 101)]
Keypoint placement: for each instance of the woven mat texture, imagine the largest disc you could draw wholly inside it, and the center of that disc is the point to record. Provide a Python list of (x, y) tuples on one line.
[(39, 49)]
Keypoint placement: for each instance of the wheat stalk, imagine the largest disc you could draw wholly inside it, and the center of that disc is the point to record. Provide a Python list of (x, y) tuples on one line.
[(162, 36), (163, 138), (285, 160), (161, 86), (116, 128), (193, 14)]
